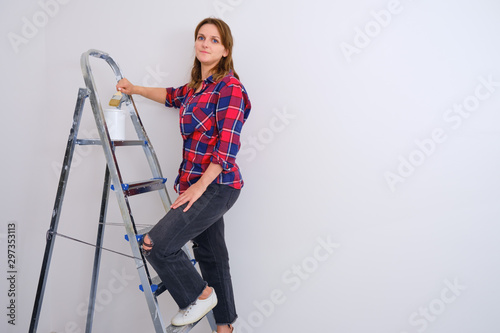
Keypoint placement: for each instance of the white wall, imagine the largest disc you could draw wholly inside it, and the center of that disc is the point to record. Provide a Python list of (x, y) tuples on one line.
[(372, 130)]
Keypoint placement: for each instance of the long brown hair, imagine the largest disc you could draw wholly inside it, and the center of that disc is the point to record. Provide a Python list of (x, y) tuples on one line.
[(225, 64)]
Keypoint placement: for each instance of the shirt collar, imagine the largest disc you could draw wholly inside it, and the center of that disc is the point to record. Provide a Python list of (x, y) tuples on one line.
[(210, 79)]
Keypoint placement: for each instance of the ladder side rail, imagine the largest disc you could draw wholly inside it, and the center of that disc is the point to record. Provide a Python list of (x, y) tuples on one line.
[(98, 251), (49, 247), (100, 121), (105, 56), (140, 261), (211, 321), (122, 200), (139, 127), (116, 178)]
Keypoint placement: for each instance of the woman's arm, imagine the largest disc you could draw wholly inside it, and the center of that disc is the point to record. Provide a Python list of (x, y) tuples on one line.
[(232, 111), (155, 94), (195, 191)]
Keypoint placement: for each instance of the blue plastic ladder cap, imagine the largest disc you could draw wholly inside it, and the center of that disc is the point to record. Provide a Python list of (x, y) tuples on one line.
[(138, 237), (154, 288), (124, 187), (164, 180)]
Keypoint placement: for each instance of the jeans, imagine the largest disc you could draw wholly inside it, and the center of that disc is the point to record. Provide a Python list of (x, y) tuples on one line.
[(203, 223)]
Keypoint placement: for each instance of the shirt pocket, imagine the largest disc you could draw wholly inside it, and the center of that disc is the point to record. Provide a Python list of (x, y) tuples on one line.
[(202, 119), (196, 119)]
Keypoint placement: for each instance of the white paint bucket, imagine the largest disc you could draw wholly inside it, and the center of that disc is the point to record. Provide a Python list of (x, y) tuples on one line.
[(115, 120)]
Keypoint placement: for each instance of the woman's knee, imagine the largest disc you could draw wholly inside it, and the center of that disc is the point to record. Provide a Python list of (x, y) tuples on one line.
[(147, 245)]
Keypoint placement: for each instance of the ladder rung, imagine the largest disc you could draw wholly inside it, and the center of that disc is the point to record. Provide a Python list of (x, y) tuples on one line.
[(145, 230), (155, 284), (160, 289), (116, 143), (181, 329), (143, 186)]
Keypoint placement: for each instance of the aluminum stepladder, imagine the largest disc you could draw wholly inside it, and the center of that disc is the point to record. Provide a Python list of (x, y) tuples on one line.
[(112, 179)]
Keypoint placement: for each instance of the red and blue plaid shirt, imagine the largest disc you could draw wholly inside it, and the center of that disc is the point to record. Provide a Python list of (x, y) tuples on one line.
[(210, 122)]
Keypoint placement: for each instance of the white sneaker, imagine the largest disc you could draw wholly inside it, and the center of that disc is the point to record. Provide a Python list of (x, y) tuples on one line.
[(195, 311)]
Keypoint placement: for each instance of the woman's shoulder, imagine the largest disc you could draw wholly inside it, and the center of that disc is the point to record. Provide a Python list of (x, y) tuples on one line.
[(230, 79)]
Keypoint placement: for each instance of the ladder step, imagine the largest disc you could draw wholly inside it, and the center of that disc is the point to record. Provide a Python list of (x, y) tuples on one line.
[(143, 186), (157, 286), (181, 329), (117, 143), (160, 290)]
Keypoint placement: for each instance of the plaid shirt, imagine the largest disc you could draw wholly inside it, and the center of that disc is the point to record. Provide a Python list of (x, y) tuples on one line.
[(210, 123)]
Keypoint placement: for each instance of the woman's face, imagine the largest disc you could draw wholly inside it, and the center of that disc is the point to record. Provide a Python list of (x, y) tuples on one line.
[(208, 46)]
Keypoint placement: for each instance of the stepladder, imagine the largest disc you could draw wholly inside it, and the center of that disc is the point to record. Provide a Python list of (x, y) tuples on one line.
[(151, 286)]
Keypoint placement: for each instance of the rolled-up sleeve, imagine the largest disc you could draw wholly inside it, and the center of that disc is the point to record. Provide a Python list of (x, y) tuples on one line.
[(175, 96), (231, 113)]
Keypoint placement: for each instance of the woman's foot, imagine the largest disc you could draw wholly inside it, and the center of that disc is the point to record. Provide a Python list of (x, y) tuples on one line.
[(206, 302), (206, 293)]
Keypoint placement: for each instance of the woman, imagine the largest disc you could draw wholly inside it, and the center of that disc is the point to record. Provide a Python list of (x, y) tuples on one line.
[(213, 108)]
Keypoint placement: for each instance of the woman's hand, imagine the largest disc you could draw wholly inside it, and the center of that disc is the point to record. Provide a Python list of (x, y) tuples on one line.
[(195, 191), (155, 94), (125, 87), (192, 194)]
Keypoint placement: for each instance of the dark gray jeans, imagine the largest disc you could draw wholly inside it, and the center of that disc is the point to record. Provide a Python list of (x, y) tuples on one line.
[(203, 223)]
